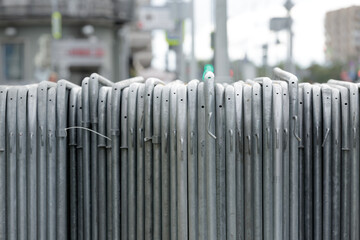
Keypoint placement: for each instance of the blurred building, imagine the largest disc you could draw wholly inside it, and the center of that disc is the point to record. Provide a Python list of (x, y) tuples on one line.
[(342, 30), (94, 39)]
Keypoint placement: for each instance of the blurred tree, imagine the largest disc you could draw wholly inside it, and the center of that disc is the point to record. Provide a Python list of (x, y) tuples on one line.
[(321, 74)]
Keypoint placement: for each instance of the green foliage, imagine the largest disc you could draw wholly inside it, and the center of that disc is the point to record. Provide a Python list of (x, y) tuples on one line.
[(321, 74)]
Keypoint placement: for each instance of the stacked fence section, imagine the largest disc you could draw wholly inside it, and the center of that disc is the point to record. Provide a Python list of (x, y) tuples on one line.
[(257, 159)]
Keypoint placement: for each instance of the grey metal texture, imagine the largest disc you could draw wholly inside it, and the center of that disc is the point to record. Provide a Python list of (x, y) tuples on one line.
[(135, 159), (192, 127), (294, 144)]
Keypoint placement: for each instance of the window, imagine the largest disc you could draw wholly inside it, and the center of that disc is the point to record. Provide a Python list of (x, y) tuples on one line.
[(13, 61)]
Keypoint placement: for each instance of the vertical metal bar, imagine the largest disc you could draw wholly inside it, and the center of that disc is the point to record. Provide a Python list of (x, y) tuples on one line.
[(326, 101), (109, 184), (210, 164), (11, 192), (165, 163), (230, 163), (354, 220), (79, 167), (132, 181), (248, 184), (239, 160), (267, 158), (156, 141), (32, 163), (294, 161), (62, 162), (3, 165), (257, 159), (74, 216), (148, 159), (140, 211), (201, 163), (115, 160), (341, 170), (21, 162), (286, 161), (278, 161), (220, 161), (317, 162), (173, 164), (51, 165), (192, 158), (93, 89), (102, 160), (335, 164), (301, 154), (308, 163), (86, 159), (41, 143), (182, 162), (124, 163)]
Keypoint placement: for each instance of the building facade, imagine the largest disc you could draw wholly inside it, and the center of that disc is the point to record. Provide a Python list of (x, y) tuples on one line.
[(90, 39), (342, 31)]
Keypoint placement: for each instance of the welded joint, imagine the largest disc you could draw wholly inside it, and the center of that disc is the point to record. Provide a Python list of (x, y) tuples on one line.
[(239, 141), (231, 134), (295, 133), (257, 142), (115, 132), (61, 133), (277, 140), (267, 130), (41, 130), (285, 134)]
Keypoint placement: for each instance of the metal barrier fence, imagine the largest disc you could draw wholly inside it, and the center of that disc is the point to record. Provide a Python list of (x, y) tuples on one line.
[(256, 159)]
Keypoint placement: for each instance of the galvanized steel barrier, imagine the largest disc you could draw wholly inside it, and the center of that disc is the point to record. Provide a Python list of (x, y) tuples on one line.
[(256, 159)]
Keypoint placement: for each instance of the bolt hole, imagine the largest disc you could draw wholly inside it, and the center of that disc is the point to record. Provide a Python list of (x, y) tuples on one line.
[(284, 94), (102, 100), (80, 107), (157, 97), (345, 103), (10, 98), (125, 117), (267, 85), (202, 106), (86, 83), (166, 100), (72, 105), (277, 93), (1, 91), (300, 102), (181, 100), (141, 96), (20, 97), (237, 94), (228, 98), (31, 95), (115, 89), (148, 95), (190, 90), (220, 106)]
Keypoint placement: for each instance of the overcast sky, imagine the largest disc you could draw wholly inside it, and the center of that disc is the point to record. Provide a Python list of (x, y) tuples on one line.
[(248, 30)]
